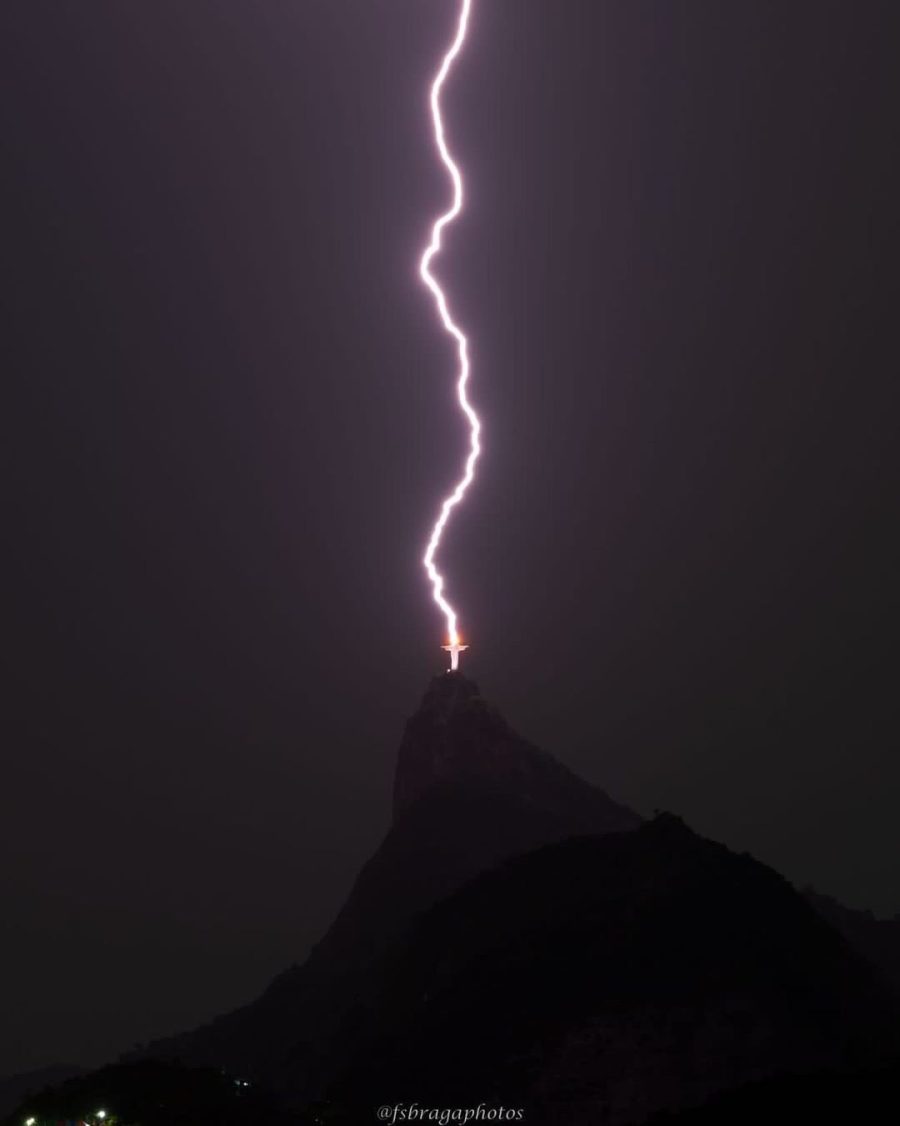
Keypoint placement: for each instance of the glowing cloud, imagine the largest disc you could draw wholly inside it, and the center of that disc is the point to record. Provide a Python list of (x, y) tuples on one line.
[(450, 326)]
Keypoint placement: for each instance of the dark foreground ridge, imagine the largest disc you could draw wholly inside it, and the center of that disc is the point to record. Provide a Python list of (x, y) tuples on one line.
[(519, 936), (604, 978), (18, 1087)]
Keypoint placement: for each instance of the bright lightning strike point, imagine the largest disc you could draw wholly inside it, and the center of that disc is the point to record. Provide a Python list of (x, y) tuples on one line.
[(434, 245)]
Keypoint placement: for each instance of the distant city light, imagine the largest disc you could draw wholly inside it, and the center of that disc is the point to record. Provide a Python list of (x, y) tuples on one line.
[(30, 1121), (101, 1113)]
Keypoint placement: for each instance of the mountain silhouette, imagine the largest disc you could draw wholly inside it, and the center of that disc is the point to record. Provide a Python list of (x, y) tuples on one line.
[(877, 939), (601, 979), (468, 793), (520, 937)]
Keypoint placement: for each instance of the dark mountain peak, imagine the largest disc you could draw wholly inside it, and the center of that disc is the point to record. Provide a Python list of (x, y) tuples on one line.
[(457, 741), (447, 693), (454, 733), (452, 720), (469, 793)]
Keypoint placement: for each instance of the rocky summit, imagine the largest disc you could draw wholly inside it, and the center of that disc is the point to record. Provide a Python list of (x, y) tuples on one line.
[(457, 740)]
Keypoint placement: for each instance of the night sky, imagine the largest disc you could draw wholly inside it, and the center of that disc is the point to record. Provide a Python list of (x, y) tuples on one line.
[(228, 417)]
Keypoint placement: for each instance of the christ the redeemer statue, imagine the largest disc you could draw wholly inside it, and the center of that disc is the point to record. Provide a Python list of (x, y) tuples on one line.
[(454, 650)]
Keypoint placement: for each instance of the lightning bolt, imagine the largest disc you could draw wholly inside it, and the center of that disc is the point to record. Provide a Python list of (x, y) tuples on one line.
[(434, 245)]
